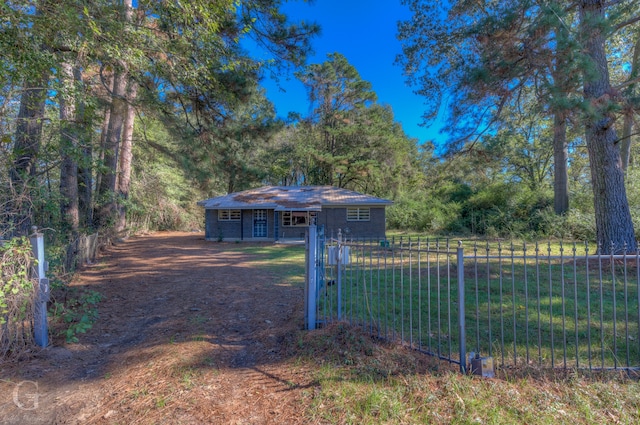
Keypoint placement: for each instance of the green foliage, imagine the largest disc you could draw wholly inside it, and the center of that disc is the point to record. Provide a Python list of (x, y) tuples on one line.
[(423, 214), (347, 139), (575, 224), (77, 310), (230, 155), (17, 285), (204, 127), (18, 294), (189, 68), (163, 195), (496, 209), (528, 74)]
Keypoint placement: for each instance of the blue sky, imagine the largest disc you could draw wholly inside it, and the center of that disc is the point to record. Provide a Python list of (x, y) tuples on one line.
[(365, 33)]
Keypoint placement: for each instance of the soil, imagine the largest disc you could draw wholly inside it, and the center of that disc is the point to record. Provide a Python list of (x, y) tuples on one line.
[(189, 332)]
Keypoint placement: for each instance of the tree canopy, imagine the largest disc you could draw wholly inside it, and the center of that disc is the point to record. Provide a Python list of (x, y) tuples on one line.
[(120, 116), (486, 55)]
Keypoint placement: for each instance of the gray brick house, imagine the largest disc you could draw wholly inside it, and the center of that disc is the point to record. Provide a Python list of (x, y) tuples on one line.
[(285, 212)]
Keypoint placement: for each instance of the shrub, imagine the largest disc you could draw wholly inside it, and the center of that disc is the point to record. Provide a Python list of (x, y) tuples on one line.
[(18, 294), (427, 214)]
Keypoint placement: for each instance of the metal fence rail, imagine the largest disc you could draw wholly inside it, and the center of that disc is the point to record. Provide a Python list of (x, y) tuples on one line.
[(544, 305), (555, 305)]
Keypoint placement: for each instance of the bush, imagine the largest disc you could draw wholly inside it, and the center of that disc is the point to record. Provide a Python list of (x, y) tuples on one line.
[(77, 313), (423, 215), (18, 294)]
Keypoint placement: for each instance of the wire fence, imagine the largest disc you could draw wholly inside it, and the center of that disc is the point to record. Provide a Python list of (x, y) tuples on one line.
[(547, 305)]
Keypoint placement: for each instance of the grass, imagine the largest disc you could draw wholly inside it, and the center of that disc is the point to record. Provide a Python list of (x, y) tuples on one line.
[(411, 295), (386, 384), (543, 311), (358, 379), (285, 262)]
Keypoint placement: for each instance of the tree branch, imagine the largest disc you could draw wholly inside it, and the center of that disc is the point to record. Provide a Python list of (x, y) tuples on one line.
[(627, 22), (627, 83), (613, 3)]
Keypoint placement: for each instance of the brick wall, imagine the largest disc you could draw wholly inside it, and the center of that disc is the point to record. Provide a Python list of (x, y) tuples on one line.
[(216, 230), (332, 218), (235, 230), (336, 218)]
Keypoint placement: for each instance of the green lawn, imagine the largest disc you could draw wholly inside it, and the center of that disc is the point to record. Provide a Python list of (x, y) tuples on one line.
[(539, 310), (286, 262)]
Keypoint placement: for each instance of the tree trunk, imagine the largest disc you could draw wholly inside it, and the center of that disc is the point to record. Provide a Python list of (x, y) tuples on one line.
[(107, 190), (25, 150), (69, 212), (614, 227), (117, 114), (69, 139), (101, 149), (560, 150), (126, 156), (85, 165), (85, 183), (560, 160)]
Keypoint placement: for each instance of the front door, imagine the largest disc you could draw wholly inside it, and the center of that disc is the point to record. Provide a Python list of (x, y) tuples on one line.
[(259, 223)]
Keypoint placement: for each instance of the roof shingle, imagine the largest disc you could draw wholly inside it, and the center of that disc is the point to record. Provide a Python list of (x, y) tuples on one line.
[(292, 198)]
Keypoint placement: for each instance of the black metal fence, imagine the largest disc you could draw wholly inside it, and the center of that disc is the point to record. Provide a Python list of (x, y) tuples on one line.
[(547, 304)]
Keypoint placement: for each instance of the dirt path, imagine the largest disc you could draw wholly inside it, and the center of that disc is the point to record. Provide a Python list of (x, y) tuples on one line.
[(189, 332)]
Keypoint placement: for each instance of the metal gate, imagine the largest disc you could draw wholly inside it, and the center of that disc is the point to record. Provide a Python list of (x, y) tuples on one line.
[(407, 293)]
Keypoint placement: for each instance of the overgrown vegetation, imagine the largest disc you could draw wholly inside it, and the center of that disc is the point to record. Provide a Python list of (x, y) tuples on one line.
[(18, 294), (75, 310)]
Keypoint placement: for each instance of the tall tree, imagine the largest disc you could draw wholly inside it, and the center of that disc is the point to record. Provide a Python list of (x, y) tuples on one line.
[(614, 227), (69, 209), (508, 47), (522, 147), (231, 147), (348, 140), (120, 68), (179, 58), (123, 183), (84, 116), (482, 54), (339, 98), (28, 26), (564, 80)]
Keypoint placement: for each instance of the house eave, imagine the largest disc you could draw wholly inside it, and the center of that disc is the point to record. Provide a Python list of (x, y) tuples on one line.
[(290, 198), (365, 205)]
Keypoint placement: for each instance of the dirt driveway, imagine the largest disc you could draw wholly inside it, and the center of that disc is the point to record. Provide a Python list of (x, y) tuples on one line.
[(189, 332)]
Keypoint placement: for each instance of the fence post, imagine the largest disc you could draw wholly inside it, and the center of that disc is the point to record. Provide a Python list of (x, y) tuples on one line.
[(340, 250), (41, 330), (461, 309), (312, 264)]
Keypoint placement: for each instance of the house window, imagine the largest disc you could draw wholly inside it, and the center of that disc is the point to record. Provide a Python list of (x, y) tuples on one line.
[(358, 214), (295, 218), (228, 215)]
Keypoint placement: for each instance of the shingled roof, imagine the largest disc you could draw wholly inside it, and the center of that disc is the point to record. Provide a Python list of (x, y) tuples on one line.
[(311, 198)]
